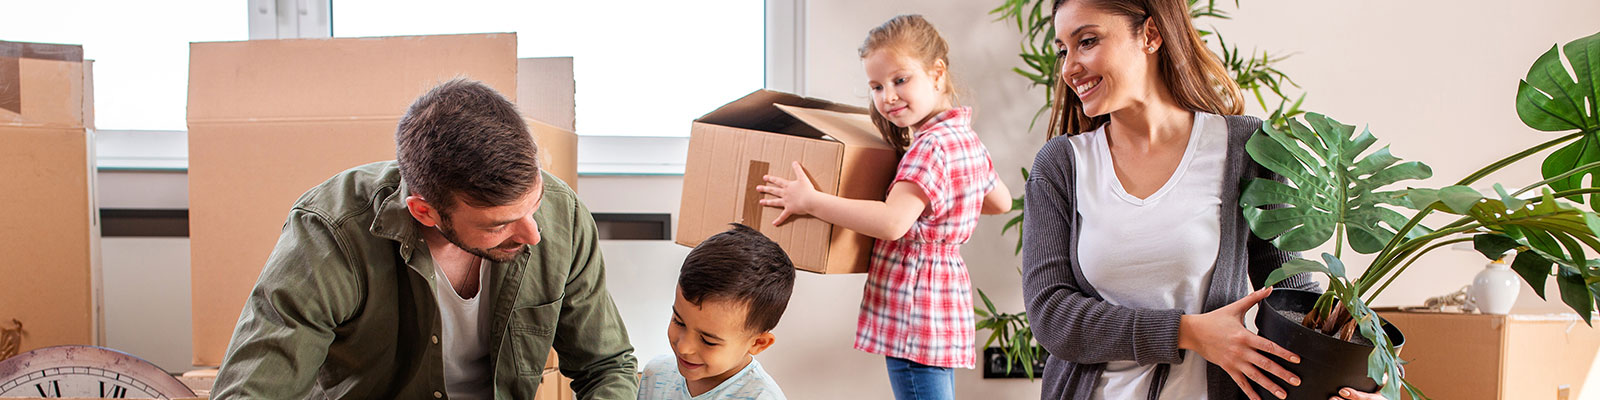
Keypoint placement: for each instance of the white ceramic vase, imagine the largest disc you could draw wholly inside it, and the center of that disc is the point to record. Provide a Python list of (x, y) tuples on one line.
[(1495, 289)]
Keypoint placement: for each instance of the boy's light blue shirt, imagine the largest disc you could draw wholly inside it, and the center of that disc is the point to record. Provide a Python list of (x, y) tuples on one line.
[(661, 381)]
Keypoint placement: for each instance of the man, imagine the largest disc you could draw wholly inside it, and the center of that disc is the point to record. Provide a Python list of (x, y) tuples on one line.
[(449, 272)]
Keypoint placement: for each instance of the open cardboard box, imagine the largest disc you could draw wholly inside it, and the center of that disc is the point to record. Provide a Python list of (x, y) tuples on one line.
[(269, 119), (1480, 356), (732, 147), (49, 280)]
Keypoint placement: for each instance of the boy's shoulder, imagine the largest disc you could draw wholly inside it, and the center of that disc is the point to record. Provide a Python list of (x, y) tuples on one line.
[(751, 384), (759, 385), (661, 380)]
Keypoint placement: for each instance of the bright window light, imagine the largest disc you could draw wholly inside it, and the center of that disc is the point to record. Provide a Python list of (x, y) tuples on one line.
[(140, 49), (643, 67)]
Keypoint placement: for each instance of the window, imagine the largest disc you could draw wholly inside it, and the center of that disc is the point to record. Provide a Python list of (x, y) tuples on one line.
[(643, 67), (141, 50)]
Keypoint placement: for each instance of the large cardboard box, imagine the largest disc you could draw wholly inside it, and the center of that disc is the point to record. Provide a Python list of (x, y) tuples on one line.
[(1479, 356), (269, 119), (731, 148), (49, 278)]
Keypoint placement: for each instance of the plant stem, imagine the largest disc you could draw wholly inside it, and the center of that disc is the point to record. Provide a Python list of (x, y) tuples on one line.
[(1400, 236), (1381, 267), (1565, 175), (1338, 240), (1414, 258), (1497, 165)]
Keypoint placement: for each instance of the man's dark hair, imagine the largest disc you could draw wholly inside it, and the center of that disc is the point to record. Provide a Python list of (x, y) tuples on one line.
[(740, 265), (463, 141)]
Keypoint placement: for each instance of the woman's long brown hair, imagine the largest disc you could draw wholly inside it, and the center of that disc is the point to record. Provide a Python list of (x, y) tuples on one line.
[(1195, 77)]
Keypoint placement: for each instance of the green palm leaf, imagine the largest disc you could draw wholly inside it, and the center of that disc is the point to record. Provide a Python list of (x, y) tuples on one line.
[(1330, 188), (1547, 231), (1551, 100)]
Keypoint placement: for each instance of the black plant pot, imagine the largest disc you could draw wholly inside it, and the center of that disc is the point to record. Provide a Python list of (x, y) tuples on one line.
[(994, 365), (1327, 364)]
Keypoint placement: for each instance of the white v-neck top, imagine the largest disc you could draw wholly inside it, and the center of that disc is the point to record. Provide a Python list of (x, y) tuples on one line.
[(464, 337), (1152, 253)]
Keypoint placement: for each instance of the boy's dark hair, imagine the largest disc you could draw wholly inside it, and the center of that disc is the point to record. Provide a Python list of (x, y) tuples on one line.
[(463, 141), (740, 265)]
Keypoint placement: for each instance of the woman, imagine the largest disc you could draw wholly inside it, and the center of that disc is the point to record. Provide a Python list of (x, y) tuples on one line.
[(1138, 264)]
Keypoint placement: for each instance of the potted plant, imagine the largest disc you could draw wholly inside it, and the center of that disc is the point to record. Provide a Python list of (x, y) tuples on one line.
[(1334, 192), (1017, 355)]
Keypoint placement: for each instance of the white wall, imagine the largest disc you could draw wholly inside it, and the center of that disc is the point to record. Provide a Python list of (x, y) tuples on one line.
[(146, 291)]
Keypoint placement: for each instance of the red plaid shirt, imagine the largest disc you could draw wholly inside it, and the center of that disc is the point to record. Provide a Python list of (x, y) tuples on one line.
[(917, 304)]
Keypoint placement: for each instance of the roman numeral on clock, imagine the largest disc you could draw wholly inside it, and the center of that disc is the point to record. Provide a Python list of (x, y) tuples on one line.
[(53, 390), (117, 392)]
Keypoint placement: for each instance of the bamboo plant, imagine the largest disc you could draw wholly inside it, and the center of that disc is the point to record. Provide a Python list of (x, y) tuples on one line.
[(1333, 192)]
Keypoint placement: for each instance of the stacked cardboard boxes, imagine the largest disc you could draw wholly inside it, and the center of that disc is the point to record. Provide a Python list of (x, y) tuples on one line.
[(48, 282)]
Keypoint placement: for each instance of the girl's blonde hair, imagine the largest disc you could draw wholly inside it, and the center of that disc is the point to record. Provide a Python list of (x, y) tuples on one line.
[(910, 36), (1197, 80)]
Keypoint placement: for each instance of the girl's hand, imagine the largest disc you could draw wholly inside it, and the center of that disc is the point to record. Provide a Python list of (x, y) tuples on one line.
[(1220, 337), (793, 196), (1352, 394)]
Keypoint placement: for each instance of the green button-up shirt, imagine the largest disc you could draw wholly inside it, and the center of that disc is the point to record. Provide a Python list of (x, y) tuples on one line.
[(345, 306)]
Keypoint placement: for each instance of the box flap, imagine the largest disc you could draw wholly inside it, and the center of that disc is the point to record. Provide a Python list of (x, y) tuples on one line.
[(755, 111), (547, 92), (41, 84), (344, 78), (849, 128)]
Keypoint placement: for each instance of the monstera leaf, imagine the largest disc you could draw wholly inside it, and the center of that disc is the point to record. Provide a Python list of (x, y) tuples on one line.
[(1331, 188), (1550, 100)]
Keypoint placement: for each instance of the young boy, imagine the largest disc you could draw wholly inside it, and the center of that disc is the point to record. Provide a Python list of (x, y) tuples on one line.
[(731, 292)]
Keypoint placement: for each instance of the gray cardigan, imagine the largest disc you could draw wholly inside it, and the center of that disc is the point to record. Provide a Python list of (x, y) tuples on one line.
[(1078, 327)]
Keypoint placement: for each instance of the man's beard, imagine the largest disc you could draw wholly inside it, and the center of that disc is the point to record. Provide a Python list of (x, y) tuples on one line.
[(487, 253)]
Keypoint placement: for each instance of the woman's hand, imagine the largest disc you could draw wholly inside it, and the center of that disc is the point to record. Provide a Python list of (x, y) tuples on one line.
[(1352, 394), (1220, 337), (793, 196)]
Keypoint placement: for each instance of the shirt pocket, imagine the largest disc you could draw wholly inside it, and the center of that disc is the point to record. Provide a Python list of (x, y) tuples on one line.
[(532, 330)]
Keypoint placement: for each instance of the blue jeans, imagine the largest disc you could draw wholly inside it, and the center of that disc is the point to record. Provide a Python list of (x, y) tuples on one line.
[(913, 381)]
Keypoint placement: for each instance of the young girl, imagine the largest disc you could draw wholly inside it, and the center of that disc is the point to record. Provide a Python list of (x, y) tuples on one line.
[(1138, 266), (917, 307)]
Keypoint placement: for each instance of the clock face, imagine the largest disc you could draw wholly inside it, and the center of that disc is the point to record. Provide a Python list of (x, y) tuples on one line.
[(86, 371)]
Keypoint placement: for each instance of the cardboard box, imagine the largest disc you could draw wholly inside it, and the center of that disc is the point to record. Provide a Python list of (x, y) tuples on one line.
[(1478, 356), (50, 278), (269, 119), (558, 150), (554, 386), (546, 97), (547, 91), (731, 148)]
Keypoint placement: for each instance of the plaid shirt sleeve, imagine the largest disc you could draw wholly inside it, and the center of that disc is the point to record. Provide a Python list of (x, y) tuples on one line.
[(924, 165)]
